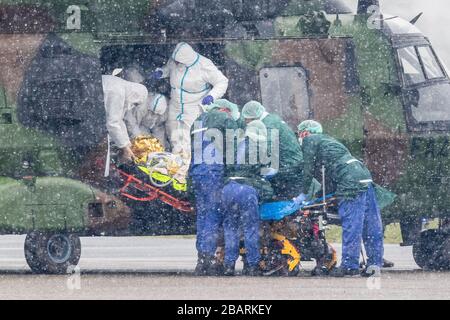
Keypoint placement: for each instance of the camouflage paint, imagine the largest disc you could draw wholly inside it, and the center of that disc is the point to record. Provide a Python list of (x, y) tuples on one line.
[(414, 166), (324, 60), (46, 204), (50, 202), (369, 120)]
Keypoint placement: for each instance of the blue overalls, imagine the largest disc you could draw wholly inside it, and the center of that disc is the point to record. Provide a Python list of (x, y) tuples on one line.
[(207, 184), (361, 220), (240, 205)]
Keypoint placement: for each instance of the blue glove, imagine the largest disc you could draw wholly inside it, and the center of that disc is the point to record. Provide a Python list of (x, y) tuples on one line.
[(157, 75), (299, 200), (207, 100)]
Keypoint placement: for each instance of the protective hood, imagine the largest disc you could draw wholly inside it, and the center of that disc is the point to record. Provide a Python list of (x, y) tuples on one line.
[(133, 74), (311, 126), (223, 103), (157, 104), (136, 95), (253, 110), (184, 54)]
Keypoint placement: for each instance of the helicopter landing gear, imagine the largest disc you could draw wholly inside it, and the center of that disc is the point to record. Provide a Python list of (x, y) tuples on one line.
[(52, 253), (432, 250)]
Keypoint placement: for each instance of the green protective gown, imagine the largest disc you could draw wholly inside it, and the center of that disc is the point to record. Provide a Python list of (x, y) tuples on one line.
[(287, 182), (221, 121), (345, 176), (290, 150)]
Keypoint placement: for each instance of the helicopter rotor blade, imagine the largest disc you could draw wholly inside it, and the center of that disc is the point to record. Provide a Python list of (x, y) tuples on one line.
[(416, 18)]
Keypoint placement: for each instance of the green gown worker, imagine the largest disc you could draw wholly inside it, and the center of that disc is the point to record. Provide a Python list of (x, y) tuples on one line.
[(285, 182), (351, 182)]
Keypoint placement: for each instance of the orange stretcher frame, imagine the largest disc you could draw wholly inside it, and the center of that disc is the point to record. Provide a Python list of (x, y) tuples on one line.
[(152, 193)]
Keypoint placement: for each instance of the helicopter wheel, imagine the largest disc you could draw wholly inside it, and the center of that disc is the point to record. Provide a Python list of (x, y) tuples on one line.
[(444, 259), (426, 250), (52, 253)]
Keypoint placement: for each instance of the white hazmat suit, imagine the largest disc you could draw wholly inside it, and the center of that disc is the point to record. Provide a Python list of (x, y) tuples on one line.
[(121, 96), (149, 119), (192, 77)]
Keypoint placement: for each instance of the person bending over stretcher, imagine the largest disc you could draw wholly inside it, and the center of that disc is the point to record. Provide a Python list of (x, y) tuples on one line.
[(353, 185)]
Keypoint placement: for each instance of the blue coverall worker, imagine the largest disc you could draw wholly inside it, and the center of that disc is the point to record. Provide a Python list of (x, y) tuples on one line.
[(207, 178), (244, 191)]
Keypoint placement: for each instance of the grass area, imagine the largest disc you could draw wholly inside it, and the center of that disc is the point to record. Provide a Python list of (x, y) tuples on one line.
[(334, 234), (392, 234)]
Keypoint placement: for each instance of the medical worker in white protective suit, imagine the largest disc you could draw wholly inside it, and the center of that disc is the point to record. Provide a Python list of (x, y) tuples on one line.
[(149, 119), (195, 82), (121, 96)]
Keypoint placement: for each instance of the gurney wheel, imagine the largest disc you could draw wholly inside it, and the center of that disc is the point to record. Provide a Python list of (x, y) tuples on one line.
[(276, 264)]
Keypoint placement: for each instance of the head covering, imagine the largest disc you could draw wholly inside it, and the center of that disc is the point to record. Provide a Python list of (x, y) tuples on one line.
[(225, 104), (133, 73), (253, 110), (256, 131), (136, 95), (310, 126), (158, 103), (184, 54)]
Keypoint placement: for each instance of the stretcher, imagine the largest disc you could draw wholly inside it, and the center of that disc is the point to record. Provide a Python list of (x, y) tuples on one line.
[(291, 236), (137, 187), (297, 233)]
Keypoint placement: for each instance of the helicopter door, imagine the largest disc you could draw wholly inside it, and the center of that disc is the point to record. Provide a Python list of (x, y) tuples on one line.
[(284, 91), (297, 78)]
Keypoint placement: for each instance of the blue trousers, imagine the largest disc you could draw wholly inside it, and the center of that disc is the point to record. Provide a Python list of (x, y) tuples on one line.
[(241, 214), (361, 221), (208, 191)]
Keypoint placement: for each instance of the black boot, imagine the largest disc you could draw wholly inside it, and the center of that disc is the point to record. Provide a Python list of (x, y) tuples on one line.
[(320, 271), (229, 271), (341, 273), (388, 264), (206, 266), (252, 271), (373, 271)]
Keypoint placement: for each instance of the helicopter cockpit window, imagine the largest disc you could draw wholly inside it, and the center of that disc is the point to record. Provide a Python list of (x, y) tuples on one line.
[(412, 70), (419, 65), (430, 104), (427, 100), (430, 63)]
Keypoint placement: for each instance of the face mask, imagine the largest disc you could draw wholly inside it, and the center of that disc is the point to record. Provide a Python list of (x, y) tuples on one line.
[(302, 136)]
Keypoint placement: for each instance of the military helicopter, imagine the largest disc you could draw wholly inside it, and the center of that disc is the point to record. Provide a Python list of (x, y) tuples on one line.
[(373, 80)]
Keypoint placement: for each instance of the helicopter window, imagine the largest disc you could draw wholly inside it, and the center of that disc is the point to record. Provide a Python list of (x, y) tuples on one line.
[(430, 104), (284, 90), (430, 63), (412, 70)]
